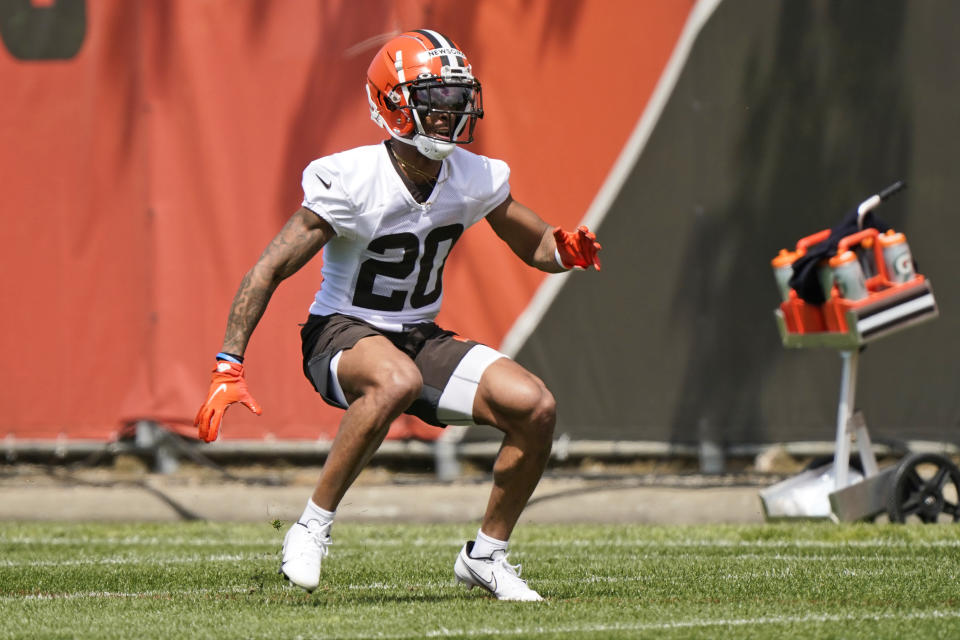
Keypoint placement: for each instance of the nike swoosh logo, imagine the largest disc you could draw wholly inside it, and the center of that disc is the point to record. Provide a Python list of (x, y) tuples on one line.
[(322, 181), (222, 387), (490, 583)]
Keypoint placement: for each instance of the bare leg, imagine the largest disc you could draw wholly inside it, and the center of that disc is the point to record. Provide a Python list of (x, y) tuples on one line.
[(380, 382), (516, 402)]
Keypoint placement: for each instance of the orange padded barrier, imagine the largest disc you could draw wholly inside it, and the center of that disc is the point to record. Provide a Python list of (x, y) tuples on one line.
[(143, 175)]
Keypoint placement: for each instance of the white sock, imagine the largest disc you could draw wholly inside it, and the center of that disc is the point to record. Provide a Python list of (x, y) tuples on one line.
[(313, 512), (484, 546)]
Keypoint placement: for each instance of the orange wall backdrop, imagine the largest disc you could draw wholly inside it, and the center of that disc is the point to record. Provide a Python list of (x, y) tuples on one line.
[(143, 176)]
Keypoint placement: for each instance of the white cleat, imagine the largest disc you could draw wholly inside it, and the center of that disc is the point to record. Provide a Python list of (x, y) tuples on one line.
[(304, 548), (494, 574)]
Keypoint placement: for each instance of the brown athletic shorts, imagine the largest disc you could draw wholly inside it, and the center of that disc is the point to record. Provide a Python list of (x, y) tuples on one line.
[(436, 352)]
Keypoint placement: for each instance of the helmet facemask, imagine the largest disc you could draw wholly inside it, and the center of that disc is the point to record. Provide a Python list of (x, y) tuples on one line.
[(444, 112)]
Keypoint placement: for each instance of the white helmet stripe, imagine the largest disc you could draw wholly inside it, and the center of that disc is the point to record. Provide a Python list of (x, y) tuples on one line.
[(439, 41), (398, 65), (439, 37), (406, 91)]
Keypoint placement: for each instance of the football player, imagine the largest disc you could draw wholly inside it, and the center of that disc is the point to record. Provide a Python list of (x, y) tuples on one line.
[(386, 217)]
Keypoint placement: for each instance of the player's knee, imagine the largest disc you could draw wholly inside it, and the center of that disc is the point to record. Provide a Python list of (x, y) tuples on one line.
[(539, 411), (545, 415), (397, 384)]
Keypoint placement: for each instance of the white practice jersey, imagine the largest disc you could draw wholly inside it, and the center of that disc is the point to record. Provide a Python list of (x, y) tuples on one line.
[(385, 265)]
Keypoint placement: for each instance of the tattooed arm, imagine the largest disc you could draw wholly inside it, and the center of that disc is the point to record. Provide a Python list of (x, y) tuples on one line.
[(301, 238)]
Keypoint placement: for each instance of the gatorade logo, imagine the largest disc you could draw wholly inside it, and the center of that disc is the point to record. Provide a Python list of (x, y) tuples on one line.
[(43, 29), (903, 264)]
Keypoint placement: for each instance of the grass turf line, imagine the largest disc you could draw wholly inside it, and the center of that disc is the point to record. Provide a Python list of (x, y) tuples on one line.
[(218, 580)]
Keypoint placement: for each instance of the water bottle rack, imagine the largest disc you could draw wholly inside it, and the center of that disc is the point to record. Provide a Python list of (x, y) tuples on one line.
[(842, 323), (842, 491)]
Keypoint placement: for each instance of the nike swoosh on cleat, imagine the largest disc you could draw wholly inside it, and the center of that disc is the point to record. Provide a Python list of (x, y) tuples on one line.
[(322, 181), (490, 584)]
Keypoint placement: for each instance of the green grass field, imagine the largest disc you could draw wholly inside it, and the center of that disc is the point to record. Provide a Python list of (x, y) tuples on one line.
[(203, 580)]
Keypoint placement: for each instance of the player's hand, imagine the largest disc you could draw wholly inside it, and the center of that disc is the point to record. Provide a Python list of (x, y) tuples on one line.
[(577, 249), (226, 387)]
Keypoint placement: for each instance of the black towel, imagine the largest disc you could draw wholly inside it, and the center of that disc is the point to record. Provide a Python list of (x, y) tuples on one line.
[(804, 279)]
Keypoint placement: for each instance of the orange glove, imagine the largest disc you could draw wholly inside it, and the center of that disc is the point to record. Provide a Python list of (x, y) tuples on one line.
[(226, 387), (577, 248)]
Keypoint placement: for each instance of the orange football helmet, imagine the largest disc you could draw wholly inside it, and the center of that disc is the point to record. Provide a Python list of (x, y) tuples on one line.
[(419, 75)]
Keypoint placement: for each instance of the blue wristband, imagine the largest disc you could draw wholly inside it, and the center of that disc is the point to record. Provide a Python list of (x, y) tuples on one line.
[(229, 357)]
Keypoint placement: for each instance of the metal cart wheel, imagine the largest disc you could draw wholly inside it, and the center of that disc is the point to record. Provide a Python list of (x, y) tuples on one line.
[(925, 487)]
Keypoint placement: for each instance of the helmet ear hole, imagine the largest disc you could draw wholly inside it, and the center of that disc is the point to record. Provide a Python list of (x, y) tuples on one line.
[(401, 123), (393, 116), (398, 119)]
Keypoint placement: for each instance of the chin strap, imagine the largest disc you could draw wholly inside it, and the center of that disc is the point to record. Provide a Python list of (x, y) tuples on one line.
[(433, 149)]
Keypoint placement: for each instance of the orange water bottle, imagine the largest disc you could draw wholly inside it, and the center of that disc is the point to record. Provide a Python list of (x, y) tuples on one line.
[(848, 274), (896, 256)]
